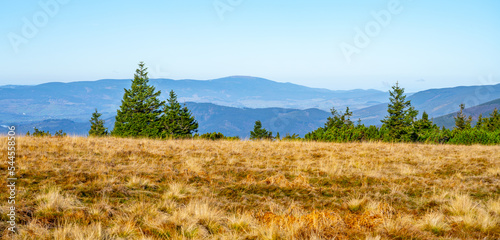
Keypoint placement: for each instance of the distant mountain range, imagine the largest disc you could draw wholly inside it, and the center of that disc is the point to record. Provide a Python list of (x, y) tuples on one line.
[(436, 102), (77, 100), (229, 105)]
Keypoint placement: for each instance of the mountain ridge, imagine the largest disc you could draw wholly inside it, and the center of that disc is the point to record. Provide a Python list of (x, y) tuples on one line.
[(58, 100), (436, 102), (229, 96)]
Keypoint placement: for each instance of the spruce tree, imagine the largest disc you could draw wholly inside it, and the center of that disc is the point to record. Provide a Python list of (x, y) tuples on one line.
[(482, 123), (422, 126), (97, 125), (140, 110), (494, 121), (338, 120), (177, 121), (259, 132), (462, 122), (401, 116)]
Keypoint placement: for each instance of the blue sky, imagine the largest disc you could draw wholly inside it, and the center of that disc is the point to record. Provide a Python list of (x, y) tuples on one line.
[(424, 44)]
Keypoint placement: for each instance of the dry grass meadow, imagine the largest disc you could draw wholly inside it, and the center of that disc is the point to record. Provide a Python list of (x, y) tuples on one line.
[(110, 188)]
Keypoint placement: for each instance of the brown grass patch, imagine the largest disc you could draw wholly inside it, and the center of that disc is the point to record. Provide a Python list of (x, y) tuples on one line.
[(111, 188)]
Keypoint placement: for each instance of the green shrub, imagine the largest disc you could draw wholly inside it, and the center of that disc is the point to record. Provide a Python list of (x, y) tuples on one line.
[(215, 136), (38, 133)]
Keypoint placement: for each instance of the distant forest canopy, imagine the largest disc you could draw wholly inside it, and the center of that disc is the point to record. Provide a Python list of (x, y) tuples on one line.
[(142, 114)]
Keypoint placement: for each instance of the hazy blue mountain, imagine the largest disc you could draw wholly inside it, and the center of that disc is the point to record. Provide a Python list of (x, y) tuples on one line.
[(370, 115), (261, 93), (54, 125), (448, 121), (228, 105), (240, 121), (77, 100), (214, 118), (436, 102)]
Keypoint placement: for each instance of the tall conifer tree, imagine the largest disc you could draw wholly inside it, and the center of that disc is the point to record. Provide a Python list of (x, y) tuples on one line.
[(401, 115), (139, 113)]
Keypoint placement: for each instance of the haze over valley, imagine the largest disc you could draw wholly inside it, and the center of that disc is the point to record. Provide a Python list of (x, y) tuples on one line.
[(228, 105)]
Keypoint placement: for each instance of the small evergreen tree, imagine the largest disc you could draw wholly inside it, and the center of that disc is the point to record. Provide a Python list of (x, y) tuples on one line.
[(97, 125), (210, 136), (423, 124), (139, 113), (482, 123), (359, 124), (60, 133), (338, 120), (399, 122), (372, 133), (177, 121), (494, 121), (422, 127), (39, 133), (462, 122), (259, 132), (291, 137)]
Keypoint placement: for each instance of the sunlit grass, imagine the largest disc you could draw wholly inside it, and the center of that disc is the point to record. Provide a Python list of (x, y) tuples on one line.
[(110, 188)]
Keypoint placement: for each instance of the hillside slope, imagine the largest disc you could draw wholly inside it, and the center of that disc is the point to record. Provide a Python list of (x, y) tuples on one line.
[(485, 109)]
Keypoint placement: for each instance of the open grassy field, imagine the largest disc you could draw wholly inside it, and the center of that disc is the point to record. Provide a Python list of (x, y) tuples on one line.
[(109, 188)]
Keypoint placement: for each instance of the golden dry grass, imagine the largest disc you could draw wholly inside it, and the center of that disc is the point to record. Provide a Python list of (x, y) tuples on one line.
[(109, 188)]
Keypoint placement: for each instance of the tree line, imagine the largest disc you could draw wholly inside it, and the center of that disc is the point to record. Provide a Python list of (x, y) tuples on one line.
[(401, 125), (142, 114)]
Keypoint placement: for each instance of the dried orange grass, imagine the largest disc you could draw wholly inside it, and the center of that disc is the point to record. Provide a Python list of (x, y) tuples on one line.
[(196, 189)]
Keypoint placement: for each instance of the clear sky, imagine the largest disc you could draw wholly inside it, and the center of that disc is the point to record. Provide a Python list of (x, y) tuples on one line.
[(334, 44)]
